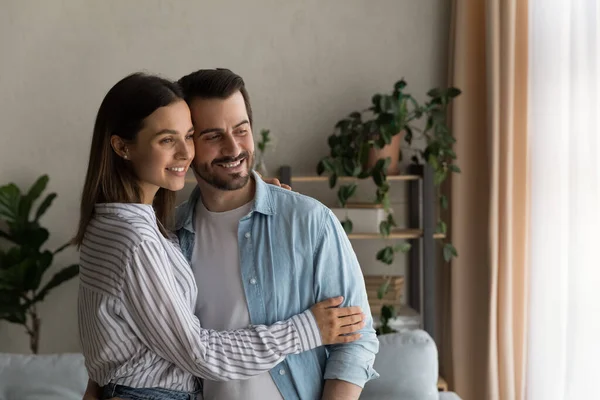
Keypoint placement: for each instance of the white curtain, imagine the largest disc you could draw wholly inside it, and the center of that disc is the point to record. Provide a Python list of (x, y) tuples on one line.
[(563, 360)]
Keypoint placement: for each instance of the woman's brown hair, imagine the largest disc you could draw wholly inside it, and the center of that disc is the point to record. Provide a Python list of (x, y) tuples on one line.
[(109, 178)]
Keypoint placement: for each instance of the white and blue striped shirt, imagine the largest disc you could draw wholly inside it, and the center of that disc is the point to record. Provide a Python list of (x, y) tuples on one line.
[(137, 296)]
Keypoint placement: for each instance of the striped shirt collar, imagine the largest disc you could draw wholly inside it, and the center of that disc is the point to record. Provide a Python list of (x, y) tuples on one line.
[(263, 203), (127, 210)]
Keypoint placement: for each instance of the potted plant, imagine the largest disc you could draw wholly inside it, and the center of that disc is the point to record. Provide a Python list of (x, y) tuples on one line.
[(360, 148), (24, 263), (262, 144)]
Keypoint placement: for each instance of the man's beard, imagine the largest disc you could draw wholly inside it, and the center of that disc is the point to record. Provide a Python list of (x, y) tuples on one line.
[(233, 181)]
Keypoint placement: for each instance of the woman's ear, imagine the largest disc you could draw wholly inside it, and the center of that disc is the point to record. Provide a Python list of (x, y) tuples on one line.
[(119, 146)]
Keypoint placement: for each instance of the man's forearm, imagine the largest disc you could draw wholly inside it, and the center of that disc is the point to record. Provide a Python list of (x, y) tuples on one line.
[(336, 389)]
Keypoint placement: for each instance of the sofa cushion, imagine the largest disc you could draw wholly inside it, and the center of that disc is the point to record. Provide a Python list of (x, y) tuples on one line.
[(408, 367), (42, 377), (449, 396)]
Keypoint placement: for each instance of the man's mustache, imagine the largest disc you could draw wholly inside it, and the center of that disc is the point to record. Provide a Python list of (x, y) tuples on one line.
[(227, 160)]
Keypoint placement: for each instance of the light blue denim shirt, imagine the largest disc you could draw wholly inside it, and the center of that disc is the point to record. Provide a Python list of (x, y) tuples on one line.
[(294, 253)]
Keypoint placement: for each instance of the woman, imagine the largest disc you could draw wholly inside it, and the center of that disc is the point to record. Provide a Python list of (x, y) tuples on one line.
[(137, 292)]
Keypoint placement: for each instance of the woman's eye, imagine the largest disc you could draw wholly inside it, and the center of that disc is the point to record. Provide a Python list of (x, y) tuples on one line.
[(167, 140), (212, 137), (190, 136)]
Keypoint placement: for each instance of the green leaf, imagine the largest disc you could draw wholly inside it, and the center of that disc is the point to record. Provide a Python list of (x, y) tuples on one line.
[(434, 93), (403, 247), (10, 196), (439, 177), (386, 136), (64, 275), (44, 206), (332, 180), (347, 166), (386, 202), (376, 100), (386, 164), (378, 177), (342, 125), (61, 248), (13, 277), (408, 136), (328, 165), (441, 227), (363, 154), (12, 312), (444, 202), (346, 192), (320, 168), (454, 168), (401, 84), (384, 228), (347, 225), (34, 273), (352, 189), (36, 237), (37, 188), (355, 115), (386, 105), (385, 255), (387, 312), (383, 289), (6, 236), (391, 221), (449, 252), (453, 92), (333, 141)]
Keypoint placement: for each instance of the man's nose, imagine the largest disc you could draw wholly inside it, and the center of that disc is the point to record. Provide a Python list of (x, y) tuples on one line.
[(230, 146)]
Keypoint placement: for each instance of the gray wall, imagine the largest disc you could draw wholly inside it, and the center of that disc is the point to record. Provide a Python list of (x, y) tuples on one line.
[(306, 64)]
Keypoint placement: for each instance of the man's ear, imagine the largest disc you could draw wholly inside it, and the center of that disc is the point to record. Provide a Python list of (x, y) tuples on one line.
[(119, 146)]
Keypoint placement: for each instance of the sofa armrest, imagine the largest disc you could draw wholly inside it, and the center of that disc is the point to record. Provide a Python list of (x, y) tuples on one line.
[(408, 366)]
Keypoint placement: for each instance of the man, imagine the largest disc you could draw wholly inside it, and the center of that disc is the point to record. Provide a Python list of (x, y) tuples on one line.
[(262, 254)]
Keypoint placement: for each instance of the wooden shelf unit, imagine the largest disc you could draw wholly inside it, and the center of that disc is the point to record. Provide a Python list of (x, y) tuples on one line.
[(398, 234), (422, 268), (316, 178)]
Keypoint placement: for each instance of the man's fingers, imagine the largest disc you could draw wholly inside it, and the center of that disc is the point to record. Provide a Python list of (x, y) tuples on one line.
[(348, 338), (345, 311), (287, 187), (352, 328), (351, 319), (331, 302)]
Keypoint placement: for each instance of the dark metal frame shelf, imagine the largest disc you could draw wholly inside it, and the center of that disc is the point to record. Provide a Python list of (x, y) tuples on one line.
[(422, 268)]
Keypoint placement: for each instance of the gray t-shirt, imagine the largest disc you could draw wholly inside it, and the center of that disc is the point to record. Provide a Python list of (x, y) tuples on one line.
[(221, 302)]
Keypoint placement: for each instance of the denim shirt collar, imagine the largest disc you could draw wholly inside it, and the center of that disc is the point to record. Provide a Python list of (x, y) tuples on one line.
[(263, 203)]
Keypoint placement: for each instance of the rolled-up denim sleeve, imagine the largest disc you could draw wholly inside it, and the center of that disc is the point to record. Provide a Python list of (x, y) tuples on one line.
[(337, 273)]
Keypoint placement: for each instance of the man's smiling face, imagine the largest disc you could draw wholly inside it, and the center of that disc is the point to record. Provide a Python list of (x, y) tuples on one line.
[(223, 141)]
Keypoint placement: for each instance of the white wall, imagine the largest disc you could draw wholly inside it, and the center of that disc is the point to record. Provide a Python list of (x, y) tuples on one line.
[(306, 64)]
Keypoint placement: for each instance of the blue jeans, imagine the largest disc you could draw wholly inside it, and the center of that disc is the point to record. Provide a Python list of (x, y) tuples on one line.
[(128, 393)]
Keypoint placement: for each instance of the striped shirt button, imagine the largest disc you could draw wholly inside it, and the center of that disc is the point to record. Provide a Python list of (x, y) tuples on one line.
[(253, 281), (247, 235), (282, 371)]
